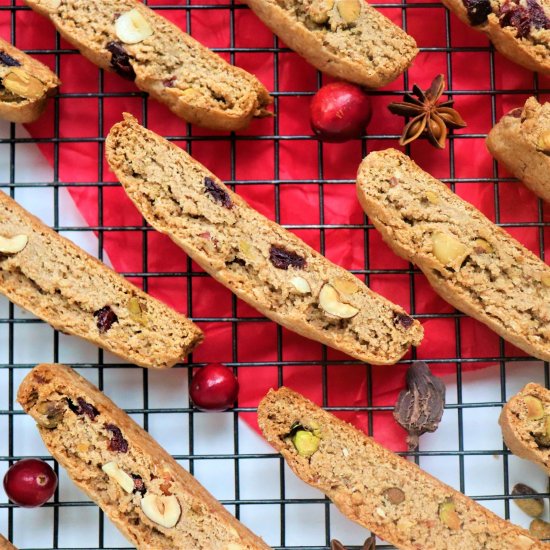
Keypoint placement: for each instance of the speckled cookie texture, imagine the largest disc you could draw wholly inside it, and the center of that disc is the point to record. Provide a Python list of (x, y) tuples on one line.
[(137, 43), (26, 85), (377, 488), (473, 264), (525, 423), (262, 263), (346, 39), (78, 295), (521, 142), (156, 504), (5, 544), (519, 29)]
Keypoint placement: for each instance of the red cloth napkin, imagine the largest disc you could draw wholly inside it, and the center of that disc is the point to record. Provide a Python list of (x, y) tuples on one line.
[(83, 118)]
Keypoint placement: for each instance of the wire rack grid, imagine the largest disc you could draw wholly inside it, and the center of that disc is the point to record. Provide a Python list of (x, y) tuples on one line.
[(12, 370)]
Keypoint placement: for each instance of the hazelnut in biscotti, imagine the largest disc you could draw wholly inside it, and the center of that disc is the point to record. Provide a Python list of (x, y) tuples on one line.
[(521, 142), (262, 263), (129, 38), (346, 39), (525, 423), (377, 488), (26, 85), (151, 499), (469, 261), (76, 294)]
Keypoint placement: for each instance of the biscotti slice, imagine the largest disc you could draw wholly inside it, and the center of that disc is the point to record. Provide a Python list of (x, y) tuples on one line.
[(5, 544), (262, 263), (377, 488), (127, 37), (525, 423), (347, 39), (77, 294), (26, 85), (470, 262), (519, 30), (521, 142), (156, 504)]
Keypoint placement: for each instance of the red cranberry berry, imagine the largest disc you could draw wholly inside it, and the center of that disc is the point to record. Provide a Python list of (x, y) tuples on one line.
[(30, 482), (340, 111), (214, 388)]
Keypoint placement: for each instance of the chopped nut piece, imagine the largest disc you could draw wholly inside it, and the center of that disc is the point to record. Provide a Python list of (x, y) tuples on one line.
[(247, 250), (482, 246), (306, 443), (349, 10), (190, 94), (50, 5), (394, 495), (535, 408), (329, 300), (449, 250), (523, 542), (83, 447), (301, 285), (345, 286), (543, 439), (380, 512), (131, 27), (534, 506), (163, 510), (540, 529), (136, 311), (404, 524), (319, 10), (432, 197), (545, 280), (13, 245), (52, 413), (120, 476), (543, 143), (21, 83), (356, 498), (448, 514)]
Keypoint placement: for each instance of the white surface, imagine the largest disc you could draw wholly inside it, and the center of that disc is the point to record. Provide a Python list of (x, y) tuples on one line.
[(213, 433)]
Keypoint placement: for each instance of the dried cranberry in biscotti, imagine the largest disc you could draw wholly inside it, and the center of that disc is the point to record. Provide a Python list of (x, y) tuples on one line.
[(118, 443), (83, 407), (217, 193), (120, 61), (478, 11), (8, 60), (283, 259), (105, 318)]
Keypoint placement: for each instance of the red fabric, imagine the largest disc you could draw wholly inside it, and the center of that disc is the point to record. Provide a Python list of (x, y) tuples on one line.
[(299, 203)]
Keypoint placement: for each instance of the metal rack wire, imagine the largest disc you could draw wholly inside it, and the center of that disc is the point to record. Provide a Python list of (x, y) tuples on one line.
[(9, 9)]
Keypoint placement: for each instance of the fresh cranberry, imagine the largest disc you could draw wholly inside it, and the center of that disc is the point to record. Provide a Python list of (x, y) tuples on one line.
[(30, 482), (214, 388), (339, 112)]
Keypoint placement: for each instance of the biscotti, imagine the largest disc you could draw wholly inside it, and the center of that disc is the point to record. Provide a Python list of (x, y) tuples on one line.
[(346, 39), (154, 502), (377, 488), (525, 423), (518, 30), (26, 85), (470, 262), (77, 294), (127, 37), (521, 142), (265, 265), (5, 544)]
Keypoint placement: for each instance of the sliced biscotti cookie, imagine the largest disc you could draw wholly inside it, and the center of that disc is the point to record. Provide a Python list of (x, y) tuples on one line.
[(77, 294), (127, 37), (521, 142), (5, 544), (26, 85), (525, 423), (262, 263), (154, 502), (470, 262), (377, 488), (518, 30), (347, 39)]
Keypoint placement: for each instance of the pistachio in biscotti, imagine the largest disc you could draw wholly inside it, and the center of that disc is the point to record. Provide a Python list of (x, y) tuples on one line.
[(349, 10), (21, 83), (319, 10), (163, 510), (543, 143), (449, 250), (137, 311), (534, 406), (540, 528), (51, 413), (533, 506), (448, 514), (132, 27), (542, 436), (306, 443), (13, 245), (432, 197), (545, 279), (330, 302)]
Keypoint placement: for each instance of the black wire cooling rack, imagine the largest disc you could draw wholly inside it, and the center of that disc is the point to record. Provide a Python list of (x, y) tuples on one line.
[(10, 10)]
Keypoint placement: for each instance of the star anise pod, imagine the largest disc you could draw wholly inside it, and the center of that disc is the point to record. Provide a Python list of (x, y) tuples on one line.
[(429, 117), (370, 544)]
